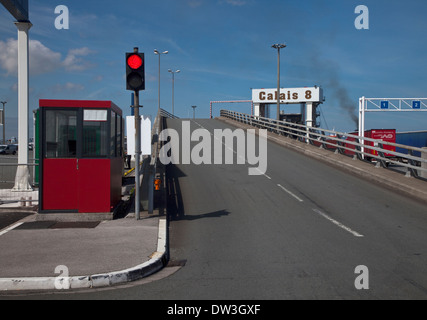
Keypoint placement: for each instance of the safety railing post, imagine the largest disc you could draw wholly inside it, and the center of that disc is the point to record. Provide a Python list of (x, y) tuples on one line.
[(382, 155), (411, 171), (424, 164)]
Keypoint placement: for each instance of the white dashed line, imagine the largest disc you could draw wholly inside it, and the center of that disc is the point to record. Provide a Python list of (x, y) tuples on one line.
[(10, 228), (290, 193), (339, 224)]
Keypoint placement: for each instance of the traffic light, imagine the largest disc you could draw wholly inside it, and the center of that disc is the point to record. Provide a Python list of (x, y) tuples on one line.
[(135, 71)]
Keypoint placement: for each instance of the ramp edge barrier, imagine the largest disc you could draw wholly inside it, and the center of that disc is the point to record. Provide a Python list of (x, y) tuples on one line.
[(339, 142)]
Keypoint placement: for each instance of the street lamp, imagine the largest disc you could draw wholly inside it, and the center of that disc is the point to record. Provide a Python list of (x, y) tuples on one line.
[(194, 112), (159, 54), (4, 121), (278, 47), (173, 89)]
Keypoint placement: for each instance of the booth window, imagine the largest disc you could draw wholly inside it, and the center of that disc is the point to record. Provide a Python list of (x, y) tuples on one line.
[(116, 135), (95, 128), (113, 135), (119, 137), (61, 134)]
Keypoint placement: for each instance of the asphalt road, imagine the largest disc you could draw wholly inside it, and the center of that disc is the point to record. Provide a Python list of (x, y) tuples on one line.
[(299, 232)]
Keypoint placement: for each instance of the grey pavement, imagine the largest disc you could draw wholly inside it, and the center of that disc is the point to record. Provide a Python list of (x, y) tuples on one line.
[(39, 254)]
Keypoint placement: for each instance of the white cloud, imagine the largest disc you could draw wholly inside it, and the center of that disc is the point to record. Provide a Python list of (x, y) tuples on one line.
[(73, 62), (42, 59), (8, 56)]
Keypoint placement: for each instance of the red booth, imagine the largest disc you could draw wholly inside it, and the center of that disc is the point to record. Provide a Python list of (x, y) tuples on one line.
[(81, 160)]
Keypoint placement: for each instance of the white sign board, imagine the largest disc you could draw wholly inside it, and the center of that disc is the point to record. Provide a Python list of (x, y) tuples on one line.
[(95, 115), (294, 95), (145, 136)]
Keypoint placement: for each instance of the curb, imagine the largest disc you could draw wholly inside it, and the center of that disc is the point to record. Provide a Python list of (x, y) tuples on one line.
[(156, 263)]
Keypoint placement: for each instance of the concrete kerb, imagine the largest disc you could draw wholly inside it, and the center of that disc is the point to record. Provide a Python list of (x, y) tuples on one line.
[(156, 263)]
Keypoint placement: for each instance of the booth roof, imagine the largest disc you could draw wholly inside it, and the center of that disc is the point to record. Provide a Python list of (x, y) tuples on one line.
[(90, 104)]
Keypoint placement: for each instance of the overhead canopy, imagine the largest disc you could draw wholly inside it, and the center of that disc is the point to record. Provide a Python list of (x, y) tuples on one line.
[(18, 9)]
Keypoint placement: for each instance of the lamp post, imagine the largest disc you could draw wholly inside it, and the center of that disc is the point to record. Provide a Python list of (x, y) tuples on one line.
[(278, 47), (159, 54), (173, 88), (4, 121), (194, 112)]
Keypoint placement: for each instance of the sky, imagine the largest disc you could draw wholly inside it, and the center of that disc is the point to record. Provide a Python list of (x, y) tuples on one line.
[(223, 50)]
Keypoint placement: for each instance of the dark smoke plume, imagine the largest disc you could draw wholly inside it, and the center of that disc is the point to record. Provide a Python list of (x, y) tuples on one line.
[(344, 100), (328, 76)]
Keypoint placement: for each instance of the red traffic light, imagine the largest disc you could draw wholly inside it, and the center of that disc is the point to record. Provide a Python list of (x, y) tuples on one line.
[(135, 71), (135, 61)]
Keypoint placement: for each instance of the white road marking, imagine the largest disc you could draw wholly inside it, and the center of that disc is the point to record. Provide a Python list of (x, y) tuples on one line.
[(324, 215), (11, 228), (339, 224), (289, 192)]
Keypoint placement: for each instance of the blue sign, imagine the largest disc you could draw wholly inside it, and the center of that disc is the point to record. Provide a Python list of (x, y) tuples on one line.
[(416, 104), (384, 104)]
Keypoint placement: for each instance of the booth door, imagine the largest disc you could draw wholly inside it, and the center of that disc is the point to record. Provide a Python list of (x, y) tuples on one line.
[(94, 164), (60, 163)]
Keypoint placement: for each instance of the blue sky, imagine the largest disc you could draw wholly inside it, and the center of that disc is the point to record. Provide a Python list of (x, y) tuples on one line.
[(223, 49)]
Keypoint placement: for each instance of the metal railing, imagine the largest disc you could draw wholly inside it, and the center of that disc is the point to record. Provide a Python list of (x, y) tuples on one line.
[(151, 164), (8, 170), (361, 148), (7, 182), (166, 114)]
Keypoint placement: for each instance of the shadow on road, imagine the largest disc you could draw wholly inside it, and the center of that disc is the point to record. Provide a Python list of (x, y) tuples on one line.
[(176, 210), (216, 214), (175, 205)]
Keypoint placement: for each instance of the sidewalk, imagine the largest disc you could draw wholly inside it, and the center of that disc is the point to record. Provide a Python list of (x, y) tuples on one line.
[(37, 254), (8, 198)]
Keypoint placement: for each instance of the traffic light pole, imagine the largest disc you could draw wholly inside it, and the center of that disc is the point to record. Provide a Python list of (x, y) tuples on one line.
[(135, 81), (137, 157)]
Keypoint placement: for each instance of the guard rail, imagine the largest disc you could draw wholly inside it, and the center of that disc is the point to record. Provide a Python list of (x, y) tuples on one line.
[(343, 143)]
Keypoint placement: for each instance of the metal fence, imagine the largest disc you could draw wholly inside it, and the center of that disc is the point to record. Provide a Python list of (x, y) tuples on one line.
[(380, 152), (8, 171), (8, 168), (165, 114), (151, 170)]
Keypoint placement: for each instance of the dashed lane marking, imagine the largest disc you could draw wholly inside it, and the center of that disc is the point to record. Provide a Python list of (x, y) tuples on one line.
[(290, 193), (339, 224)]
